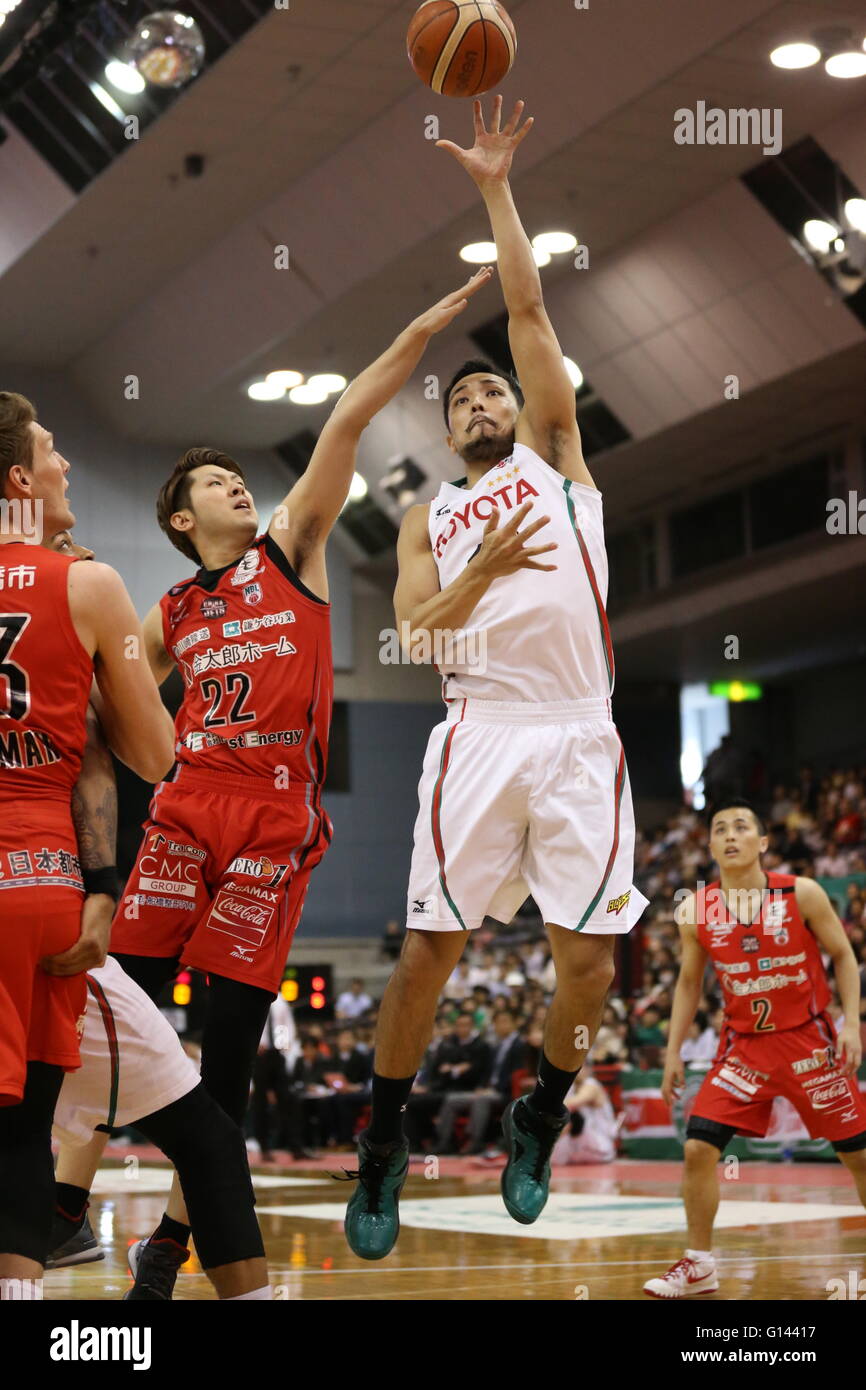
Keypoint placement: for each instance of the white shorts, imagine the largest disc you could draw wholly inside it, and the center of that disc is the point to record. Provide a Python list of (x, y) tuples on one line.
[(518, 799), (132, 1063)]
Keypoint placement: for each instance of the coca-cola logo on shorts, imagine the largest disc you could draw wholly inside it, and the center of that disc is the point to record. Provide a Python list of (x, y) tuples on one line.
[(244, 912), (242, 920)]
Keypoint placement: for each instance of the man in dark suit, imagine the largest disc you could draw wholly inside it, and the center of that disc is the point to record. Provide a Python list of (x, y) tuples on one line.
[(427, 1093), (349, 1073), (309, 1082), (492, 1091), (271, 1076)]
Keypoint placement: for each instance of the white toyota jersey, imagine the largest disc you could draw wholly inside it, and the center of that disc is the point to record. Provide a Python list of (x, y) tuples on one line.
[(535, 635)]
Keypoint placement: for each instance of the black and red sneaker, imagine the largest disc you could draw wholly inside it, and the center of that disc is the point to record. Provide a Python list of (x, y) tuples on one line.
[(153, 1265)]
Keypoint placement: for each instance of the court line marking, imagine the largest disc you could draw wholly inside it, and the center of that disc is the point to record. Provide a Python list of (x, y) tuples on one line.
[(570, 1264), (450, 1269)]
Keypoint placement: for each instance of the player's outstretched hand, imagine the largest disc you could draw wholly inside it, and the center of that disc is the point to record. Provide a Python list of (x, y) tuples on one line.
[(91, 948), (490, 158), (434, 319), (503, 551), (673, 1081), (849, 1049)]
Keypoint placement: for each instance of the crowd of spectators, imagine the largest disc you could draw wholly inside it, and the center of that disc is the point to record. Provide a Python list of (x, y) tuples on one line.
[(489, 1026)]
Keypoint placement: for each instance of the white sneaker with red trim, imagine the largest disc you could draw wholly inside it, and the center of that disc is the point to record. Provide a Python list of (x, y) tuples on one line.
[(688, 1276)]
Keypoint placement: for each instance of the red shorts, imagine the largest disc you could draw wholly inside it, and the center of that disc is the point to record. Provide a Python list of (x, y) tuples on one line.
[(751, 1069), (221, 875), (41, 1016)]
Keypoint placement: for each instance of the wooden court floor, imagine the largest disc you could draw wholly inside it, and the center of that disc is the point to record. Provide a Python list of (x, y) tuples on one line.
[(785, 1231)]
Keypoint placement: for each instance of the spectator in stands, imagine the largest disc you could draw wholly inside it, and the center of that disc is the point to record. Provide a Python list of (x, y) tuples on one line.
[(490, 1097), (459, 982), (277, 1054), (308, 1081), (392, 939), (782, 805), (610, 1045), (514, 975), (482, 1013), (354, 1001), (701, 1041), (427, 1091), (849, 827), (647, 1029), (349, 1076), (832, 864), (590, 1136)]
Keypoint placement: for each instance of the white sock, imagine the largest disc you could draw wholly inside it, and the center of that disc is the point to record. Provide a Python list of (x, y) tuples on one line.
[(266, 1292), (701, 1257)]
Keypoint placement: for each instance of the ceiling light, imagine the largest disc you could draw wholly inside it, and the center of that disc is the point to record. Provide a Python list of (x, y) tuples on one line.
[(357, 490), (839, 244), (479, 252), (284, 380), (575, 375), (329, 382), (307, 395), (795, 55), (107, 100), (124, 77), (819, 234), (557, 243), (855, 211), (265, 391), (540, 257), (848, 64)]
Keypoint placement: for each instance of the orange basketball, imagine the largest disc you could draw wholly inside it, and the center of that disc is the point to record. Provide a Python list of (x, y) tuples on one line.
[(461, 48)]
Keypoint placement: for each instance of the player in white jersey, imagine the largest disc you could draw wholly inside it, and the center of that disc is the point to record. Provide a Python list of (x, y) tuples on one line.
[(524, 787)]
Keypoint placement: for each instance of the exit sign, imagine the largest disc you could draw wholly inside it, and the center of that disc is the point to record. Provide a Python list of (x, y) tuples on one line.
[(737, 690)]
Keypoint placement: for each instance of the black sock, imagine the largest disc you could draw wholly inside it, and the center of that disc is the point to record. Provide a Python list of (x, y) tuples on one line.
[(71, 1203), (171, 1230), (388, 1103), (552, 1086)]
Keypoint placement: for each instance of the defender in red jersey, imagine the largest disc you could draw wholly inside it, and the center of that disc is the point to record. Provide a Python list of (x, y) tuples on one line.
[(234, 833), (61, 623), (764, 934)]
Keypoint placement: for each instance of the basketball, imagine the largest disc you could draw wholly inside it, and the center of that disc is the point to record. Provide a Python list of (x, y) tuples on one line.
[(461, 48)]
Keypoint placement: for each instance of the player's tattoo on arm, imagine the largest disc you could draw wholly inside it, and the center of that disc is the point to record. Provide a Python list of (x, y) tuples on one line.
[(94, 802)]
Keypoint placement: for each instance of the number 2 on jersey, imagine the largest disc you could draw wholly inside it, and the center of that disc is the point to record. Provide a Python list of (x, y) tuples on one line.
[(762, 1007)]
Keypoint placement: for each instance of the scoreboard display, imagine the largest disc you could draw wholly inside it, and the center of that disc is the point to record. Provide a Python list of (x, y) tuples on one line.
[(310, 991)]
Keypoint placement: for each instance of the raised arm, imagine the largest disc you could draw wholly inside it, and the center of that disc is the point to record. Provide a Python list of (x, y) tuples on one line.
[(137, 725), (547, 422), (304, 520)]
